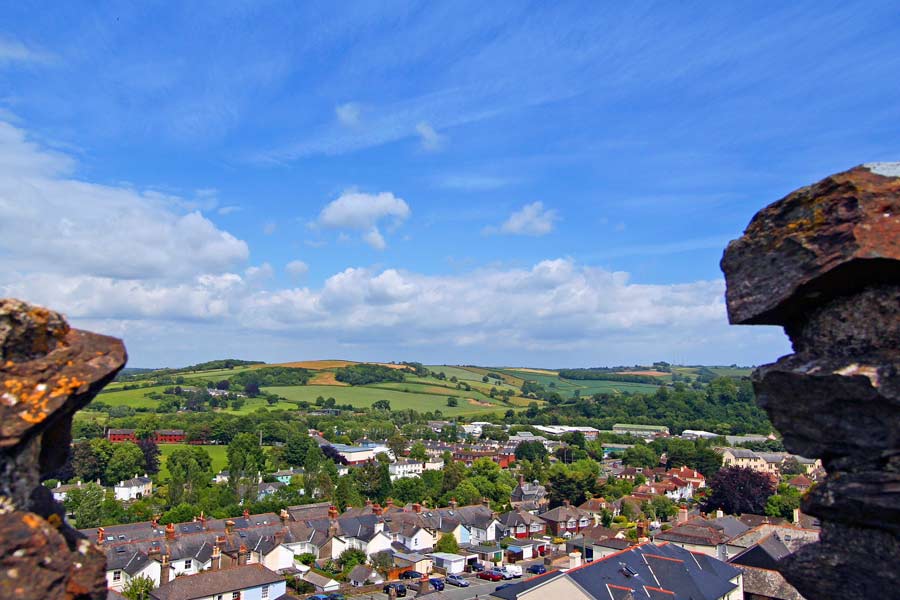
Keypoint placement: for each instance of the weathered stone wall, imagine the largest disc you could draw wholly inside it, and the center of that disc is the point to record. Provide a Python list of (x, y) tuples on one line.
[(48, 371), (824, 263)]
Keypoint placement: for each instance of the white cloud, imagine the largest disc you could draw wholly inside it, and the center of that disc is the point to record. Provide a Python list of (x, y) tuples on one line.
[(259, 274), (362, 212), (348, 114), (55, 223), (532, 219), (470, 182), (296, 268), (13, 51), (430, 139), (229, 209)]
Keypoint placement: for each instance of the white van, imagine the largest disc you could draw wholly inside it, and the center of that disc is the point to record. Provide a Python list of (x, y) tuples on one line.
[(514, 570)]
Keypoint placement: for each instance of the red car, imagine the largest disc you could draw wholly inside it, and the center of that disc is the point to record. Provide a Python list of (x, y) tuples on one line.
[(491, 575)]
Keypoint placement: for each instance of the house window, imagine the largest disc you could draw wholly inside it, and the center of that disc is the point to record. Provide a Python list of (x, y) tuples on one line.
[(187, 564), (265, 592), (235, 596), (219, 597), (117, 576)]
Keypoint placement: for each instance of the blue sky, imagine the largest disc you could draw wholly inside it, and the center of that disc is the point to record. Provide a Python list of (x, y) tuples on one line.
[(502, 183)]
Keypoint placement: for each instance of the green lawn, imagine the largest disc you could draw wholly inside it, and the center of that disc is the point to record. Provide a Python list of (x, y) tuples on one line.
[(363, 396), (216, 452), (138, 399), (587, 387)]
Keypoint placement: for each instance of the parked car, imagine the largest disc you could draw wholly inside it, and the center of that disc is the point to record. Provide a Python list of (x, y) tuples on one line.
[(457, 580), (399, 589), (476, 567), (505, 574), (437, 583), (318, 597), (492, 575), (537, 569), (514, 570), (411, 575)]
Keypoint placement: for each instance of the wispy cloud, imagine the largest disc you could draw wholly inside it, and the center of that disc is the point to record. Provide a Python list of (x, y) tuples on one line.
[(430, 139), (532, 219), (473, 182), (348, 114), (14, 51)]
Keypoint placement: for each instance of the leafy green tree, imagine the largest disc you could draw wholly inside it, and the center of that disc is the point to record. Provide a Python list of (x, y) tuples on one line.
[(531, 450), (447, 543), (346, 494), (663, 507), (138, 588), (409, 489), (245, 458), (179, 514), (783, 503), (350, 558), (87, 464), (382, 405), (296, 448), (126, 461), (418, 452), (465, 493), (640, 456), (452, 401), (453, 474), (190, 471), (397, 444), (86, 504)]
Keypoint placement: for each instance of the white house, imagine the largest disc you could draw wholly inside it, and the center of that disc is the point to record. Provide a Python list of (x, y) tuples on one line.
[(447, 562), (134, 488)]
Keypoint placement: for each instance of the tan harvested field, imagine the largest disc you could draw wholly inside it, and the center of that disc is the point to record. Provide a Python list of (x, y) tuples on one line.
[(325, 378), (511, 379), (540, 371), (475, 402), (648, 373), (314, 365)]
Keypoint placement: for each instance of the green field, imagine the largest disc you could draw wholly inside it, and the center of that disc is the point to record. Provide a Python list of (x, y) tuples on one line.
[(587, 387), (137, 398), (364, 396), (216, 452)]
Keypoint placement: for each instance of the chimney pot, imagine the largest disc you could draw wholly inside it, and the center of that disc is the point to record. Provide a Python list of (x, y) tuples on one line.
[(246, 514), (101, 537), (229, 526), (170, 531)]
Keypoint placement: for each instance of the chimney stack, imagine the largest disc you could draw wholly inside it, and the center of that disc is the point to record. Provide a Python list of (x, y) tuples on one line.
[(377, 510), (100, 536), (229, 527), (220, 542), (389, 503), (284, 515), (154, 521), (246, 514), (170, 531), (417, 508), (202, 521), (332, 512), (719, 513), (682, 514), (796, 519), (243, 555), (164, 571), (216, 559)]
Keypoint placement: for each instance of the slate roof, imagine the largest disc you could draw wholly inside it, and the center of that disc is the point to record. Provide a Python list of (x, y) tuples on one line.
[(303, 512), (665, 568), (768, 584), (210, 583), (642, 572), (519, 517), (564, 513)]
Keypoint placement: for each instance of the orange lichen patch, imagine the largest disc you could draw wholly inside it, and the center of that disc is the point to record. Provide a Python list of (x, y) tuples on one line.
[(35, 398), (66, 385), (32, 521), (54, 521)]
